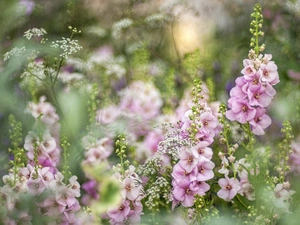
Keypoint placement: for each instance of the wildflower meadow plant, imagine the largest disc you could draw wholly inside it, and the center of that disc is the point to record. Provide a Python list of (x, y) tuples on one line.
[(110, 140)]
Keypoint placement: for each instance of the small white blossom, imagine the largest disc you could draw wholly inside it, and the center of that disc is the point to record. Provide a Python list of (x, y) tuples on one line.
[(156, 20), (34, 32), (14, 52), (67, 45), (119, 26)]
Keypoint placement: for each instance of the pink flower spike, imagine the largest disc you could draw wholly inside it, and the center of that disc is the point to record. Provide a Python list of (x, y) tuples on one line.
[(229, 188)]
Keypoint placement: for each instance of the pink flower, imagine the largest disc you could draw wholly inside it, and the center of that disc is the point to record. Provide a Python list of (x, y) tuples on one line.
[(49, 116), (260, 121), (65, 196), (249, 68), (224, 166), (208, 121), (36, 186), (205, 167), (294, 75), (52, 207), (184, 193), (269, 73), (108, 115), (129, 189), (205, 136), (46, 175), (119, 214), (201, 149), (74, 185), (187, 160), (241, 111), (229, 188), (91, 188), (180, 174), (57, 183), (258, 96), (153, 138)]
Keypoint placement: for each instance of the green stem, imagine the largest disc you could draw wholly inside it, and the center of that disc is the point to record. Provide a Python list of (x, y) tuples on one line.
[(256, 34), (240, 200)]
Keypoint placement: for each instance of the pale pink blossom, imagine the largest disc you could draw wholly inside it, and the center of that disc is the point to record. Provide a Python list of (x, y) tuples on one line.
[(65, 196), (269, 73), (229, 188), (180, 174), (201, 149), (241, 111), (187, 160), (208, 121), (260, 121), (74, 186), (120, 213), (129, 189), (205, 169), (36, 186)]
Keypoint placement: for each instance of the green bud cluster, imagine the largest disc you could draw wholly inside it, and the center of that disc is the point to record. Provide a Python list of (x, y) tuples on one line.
[(15, 136), (255, 29), (121, 146), (196, 108), (66, 169), (285, 150), (93, 104)]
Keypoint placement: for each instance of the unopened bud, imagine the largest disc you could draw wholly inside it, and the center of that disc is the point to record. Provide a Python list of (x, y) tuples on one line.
[(286, 185), (222, 140), (231, 158), (221, 155)]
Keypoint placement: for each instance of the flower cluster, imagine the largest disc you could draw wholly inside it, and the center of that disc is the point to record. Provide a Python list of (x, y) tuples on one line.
[(56, 199), (34, 32), (41, 178), (131, 208), (230, 187), (190, 173), (67, 45)]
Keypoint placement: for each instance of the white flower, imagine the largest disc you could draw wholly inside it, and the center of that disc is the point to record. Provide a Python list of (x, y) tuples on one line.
[(34, 32)]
